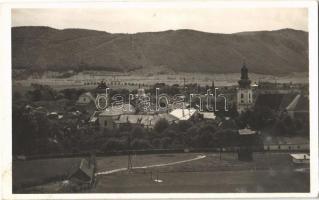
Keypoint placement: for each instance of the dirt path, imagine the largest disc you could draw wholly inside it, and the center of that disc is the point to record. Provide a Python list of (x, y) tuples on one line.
[(150, 166)]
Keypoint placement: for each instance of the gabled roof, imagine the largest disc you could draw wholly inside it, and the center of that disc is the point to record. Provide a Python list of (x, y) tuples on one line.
[(300, 156), (85, 168), (183, 114)]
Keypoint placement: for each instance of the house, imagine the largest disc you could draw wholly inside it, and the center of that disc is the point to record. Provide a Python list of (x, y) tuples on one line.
[(140, 93), (108, 117), (183, 114), (84, 174), (208, 115), (146, 121), (85, 99), (300, 158)]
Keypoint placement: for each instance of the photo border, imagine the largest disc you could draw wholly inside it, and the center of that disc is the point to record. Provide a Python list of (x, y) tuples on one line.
[(6, 95)]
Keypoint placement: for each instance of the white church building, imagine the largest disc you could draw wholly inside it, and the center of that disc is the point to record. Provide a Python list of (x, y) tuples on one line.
[(244, 92)]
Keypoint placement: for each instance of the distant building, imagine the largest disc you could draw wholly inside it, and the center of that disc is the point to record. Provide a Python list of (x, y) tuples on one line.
[(140, 92), (244, 92), (300, 158), (183, 114), (85, 99), (207, 115), (145, 121), (108, 117)]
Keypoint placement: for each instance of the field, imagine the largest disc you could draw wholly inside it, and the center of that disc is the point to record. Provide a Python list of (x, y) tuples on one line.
[(269, 172), (89, 79), (37, 172), (181, 172)]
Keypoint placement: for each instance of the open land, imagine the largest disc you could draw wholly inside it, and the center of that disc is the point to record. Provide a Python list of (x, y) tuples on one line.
[(268, 172)]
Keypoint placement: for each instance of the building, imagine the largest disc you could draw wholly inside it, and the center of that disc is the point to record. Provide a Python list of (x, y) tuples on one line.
[(145, 121), (300, 158), (85, 99), (140, 92), (183, 114), (84, 174), (207, 115), (108, 117), (244, 92)]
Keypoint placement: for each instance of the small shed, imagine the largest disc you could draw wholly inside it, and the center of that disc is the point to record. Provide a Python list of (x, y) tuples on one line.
[(84, 174), (300, 158)]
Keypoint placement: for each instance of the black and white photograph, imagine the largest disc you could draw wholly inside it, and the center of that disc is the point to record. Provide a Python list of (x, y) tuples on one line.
[(135, 98)]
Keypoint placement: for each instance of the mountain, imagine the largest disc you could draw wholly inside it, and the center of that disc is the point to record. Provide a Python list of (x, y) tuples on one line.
[(266, 52)]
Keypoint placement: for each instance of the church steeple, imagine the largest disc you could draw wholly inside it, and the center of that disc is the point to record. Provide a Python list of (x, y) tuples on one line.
[(244, 81)]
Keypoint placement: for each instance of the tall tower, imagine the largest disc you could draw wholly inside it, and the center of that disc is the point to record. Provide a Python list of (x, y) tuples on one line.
[(244, 92)]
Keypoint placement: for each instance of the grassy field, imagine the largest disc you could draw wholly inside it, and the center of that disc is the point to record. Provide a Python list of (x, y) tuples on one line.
[(88, 80), (268, 172), (212, 182), (37, 172)]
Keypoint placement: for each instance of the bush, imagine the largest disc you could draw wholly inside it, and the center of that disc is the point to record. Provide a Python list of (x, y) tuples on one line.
[(161, 125), (115, 144), (140, 144)]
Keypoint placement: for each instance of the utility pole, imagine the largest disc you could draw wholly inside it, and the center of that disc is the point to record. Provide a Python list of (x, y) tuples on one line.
[(129, 158)]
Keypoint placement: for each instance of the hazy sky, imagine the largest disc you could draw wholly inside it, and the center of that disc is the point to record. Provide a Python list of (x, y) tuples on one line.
[(131, 20)]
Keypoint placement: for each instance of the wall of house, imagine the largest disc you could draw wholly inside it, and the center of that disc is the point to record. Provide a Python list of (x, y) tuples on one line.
[(107, 121)]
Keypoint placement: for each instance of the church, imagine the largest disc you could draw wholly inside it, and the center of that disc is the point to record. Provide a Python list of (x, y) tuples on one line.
[(244, 92)]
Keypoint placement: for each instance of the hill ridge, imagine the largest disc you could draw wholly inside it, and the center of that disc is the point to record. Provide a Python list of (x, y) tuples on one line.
[(280, 51)]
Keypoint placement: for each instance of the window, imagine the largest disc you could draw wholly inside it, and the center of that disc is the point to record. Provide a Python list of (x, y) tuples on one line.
[(242, 95), (105, 123)]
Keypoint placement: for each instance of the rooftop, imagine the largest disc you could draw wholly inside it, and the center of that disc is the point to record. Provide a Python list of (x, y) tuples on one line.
[(300, 156), (246, 131), (183, 114), (118, 110)]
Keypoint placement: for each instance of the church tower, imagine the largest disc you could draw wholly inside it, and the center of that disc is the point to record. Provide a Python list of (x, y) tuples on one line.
[(244, 92)]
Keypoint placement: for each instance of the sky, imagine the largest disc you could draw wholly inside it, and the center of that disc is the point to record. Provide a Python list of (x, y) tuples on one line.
[(152, 19)]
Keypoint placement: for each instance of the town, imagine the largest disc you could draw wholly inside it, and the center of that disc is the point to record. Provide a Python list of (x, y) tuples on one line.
[(88, 124)]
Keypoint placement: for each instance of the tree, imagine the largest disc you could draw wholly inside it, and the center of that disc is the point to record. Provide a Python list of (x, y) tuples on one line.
[(161, 125), (138, 132), (140, 144)]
